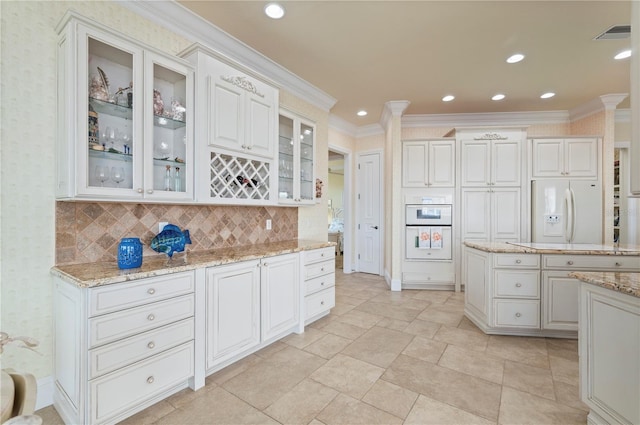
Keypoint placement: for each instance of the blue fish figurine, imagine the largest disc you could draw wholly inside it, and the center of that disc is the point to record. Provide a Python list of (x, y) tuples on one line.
[(170, 240)]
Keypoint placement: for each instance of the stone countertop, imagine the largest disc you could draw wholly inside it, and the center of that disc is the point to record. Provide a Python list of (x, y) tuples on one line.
[(627, 283), (88, 275), (550, 248)]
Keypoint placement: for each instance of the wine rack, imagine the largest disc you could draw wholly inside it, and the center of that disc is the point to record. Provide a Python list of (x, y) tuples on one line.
[(233, 177)]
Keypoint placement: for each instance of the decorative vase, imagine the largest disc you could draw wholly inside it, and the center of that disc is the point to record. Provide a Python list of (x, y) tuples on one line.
[(129, 253)]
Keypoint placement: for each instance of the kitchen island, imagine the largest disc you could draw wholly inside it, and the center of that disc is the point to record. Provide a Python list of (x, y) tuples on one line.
[(527, 288), (609, 346)]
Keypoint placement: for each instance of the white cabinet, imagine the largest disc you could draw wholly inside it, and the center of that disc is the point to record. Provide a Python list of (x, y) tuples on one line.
[(560, 306), (236, 132), (428, 163), (120, 348), (126, 118), (319, 279), (568, 157), (248, 304), (296, 160), (491, 162), (609, 360), (491, 214)]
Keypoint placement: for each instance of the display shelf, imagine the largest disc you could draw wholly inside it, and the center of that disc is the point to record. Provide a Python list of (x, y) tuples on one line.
[(102, 107), (110, 155), (166, 122)]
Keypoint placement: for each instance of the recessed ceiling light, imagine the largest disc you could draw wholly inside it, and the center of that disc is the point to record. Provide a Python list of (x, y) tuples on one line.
[(498, 96), (515, 58), (547, 95), (623, 54), (361, 113), (274, 10), (448, 98)]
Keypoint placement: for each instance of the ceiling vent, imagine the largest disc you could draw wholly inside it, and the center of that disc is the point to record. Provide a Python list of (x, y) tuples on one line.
[(616, 32)]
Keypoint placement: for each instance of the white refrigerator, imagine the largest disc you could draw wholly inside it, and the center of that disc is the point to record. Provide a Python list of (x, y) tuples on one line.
[(566, 211)]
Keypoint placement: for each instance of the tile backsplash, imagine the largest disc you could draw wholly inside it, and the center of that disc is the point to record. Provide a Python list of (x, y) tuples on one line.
[(91, 231)]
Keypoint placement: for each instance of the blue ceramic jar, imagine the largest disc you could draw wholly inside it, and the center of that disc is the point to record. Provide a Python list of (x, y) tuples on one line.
[(129, 253)]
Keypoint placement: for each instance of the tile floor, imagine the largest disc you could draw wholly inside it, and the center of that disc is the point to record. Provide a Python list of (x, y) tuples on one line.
[(408, 357)]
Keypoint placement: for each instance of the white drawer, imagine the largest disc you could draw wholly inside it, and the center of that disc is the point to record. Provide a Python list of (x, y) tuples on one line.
[(320, 283), (319, 302), (315, 255), (517, 314), (319, 269), (123, 353), (591, 262), (106, 299), (122, 324), (517, 260), (517, 283), (117, 392)]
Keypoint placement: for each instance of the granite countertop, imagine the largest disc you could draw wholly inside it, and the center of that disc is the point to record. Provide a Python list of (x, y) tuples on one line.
[(88, 275), (627, 283), (551, 248)]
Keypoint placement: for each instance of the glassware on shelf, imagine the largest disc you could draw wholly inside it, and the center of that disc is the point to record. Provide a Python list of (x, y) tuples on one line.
[(117, 175), (177, 181), (167, 178), (102, 174)]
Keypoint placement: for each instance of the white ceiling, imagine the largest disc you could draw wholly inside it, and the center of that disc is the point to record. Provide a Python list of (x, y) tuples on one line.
[(365, 53)]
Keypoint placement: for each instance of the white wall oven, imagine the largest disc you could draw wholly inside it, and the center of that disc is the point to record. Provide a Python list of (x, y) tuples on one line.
[(428, 231)]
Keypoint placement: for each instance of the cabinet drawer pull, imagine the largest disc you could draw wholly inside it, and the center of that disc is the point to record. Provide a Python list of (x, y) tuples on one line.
[(321, 283), (618, 264), (149, 191), (518, 285), (151, 345), (140, 190), (150, 379), (321, 302), (570, 263), (518, 314), (322, 255), (151, 291), (151, 317), (518, 261), (321, 269)]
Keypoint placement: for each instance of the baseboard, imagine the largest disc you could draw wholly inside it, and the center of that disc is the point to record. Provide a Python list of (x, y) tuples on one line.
[(44, 397), (393, 284)]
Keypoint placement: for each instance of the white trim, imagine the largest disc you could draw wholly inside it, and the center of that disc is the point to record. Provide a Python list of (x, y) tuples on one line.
[(370, 130), (340, 125), (44, 396), (623, 115), (393, 284), (347, 206), (181, 20), (601, 103), (485, 119), (393, 108)]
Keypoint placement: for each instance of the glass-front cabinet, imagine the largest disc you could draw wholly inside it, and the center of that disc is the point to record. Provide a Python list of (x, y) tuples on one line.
[(126, 118), (296, 158)]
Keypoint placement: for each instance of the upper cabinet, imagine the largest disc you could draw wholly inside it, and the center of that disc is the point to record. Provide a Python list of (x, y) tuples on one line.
[(126, 111), (491, 159), (236, 132), (567, 157), (296, 159), (428, 163)]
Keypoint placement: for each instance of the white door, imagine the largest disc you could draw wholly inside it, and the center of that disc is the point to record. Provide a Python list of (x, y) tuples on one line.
[(505, 163), (548, 157), (476, 162), (369, 214), (414, 164), (581, 157), (442, 163), (476, 214), (280, 286), (560, 301), (505, 214)]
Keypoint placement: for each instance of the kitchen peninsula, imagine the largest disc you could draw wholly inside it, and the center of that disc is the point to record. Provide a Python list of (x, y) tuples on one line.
[(528, 288)]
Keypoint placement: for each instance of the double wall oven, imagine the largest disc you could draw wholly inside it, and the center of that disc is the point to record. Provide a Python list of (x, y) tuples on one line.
[(428, 231)]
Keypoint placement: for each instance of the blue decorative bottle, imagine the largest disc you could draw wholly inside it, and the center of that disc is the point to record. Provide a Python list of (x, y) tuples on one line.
[(129, 253)]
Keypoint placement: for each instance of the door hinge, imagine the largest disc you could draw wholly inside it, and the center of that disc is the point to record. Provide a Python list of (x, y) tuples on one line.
[(358, 196), (358, 227), (358, 166), (358, 256)]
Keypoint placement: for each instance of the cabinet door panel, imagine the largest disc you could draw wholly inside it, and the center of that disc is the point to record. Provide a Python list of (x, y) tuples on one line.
[(441, 164), (475, 214), (233, 310), (226, 116), (581, 157), (505, 214), (280, 294), (548, 158), (414, 164), (476, 156), (505, 163), (560, 306), (259, 133)]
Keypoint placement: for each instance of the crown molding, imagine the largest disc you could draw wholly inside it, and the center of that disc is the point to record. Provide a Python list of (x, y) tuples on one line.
[(486, 119), (343, 126), (601, 103), (181, 20), (623, 115), (393, 108), (370, 130)]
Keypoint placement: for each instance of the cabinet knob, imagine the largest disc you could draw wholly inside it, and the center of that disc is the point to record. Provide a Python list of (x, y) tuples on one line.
[(151, 345), (149, 191), (321, 283), (618, 264), (518, 261), (249, 147), (518, 285), (151, 317), (518, 314), (570, 263), (244, 146), (265, 264), (140, 190), (321, 302), (322, 255), (151, 291), (321, 269), (151, 379)]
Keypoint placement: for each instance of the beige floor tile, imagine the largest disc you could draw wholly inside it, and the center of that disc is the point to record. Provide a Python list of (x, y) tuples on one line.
[(422, 328), (518, 407), (151, 414), (360, 318), (309, 336), (348, 375), (564, 370), (341, 309), (468, 340), (271, 349), (565, 348), (468, 325), (302, 403), (460, 390), (267, 381), (322, 322), (434, 297), (403, 298), (530, 351), (469, 362), (234, 369), (427, 411), (392, 311), (437, 314), (425, 349), (187, 395), (219, 407), (49, 416), (347, 410), (396, 325), (378, 346), (344, 330), (316, 422), (391, 398), (530, 379), (328, 346), (345, 299), (569, 395)]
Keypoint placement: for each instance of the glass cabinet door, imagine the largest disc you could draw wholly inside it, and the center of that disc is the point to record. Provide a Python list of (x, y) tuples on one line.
[(296, 150), (307, 184), (112, 145), (285, 159)]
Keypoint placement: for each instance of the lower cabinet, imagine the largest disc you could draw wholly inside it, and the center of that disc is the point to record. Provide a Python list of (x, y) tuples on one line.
[(319, 275), (560, 307), (248, 304), (120, 348)]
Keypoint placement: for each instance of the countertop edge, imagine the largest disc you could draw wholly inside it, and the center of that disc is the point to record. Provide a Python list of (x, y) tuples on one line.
[(505, 248), (625, 283)]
